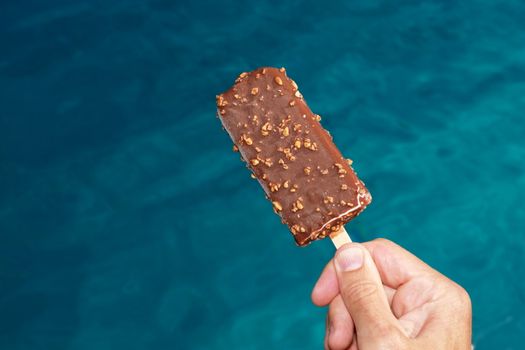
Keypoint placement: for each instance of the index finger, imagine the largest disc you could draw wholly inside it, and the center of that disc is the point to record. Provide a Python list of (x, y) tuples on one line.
[(395, 264), (326, 288)]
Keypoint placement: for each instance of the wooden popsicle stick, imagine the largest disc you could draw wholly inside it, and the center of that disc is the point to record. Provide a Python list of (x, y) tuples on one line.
[(340, 237)]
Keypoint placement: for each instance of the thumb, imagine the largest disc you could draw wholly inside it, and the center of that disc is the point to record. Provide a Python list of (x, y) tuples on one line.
[(364, 296)]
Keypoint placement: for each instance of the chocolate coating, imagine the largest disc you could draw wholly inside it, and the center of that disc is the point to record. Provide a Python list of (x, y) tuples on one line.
[(311, 186)]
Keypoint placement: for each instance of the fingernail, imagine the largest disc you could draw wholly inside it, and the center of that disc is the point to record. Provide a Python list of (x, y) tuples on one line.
[(349, 259)]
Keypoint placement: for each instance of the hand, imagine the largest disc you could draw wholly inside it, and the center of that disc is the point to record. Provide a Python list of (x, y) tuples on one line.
[(380, 296)]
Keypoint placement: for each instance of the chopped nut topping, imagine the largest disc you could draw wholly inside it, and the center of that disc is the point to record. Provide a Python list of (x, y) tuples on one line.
[(342, 202), (294, 84), (302, 229), (293, 189), (274, 187), (277, 206), (328, 199), (247, 139), (297, 143), (265, 128), (310, 145), (278, 81), (288, 154), (298, 94), (255, 91), (317, 209), (281, 161), (297, 205), (221, 102), (349, 161), (264, 176), (243, 74), (257, 149), (264, 71), (286, 184), (283, 122), (254, 161), (324, 171), (318, 117), (307, 170), (252, 175), (237, 96), (286, 131), (281, 69), (338, 166), (268, 162), (258, 75), (344, 187), (235, 148), (292, 103), (222, 111), (297, 127)]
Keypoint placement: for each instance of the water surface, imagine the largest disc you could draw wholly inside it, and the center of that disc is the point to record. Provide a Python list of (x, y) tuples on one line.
[(126, 222)]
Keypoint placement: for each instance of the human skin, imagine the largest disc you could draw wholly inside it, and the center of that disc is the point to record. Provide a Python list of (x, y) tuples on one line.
[(380, 296)]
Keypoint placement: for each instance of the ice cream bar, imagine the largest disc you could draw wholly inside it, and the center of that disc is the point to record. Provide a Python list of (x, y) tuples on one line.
[(309, 183)]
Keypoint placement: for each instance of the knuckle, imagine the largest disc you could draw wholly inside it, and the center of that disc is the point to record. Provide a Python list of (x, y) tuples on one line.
[(360, 291), (458, 297), (463, 298), (465, 294)]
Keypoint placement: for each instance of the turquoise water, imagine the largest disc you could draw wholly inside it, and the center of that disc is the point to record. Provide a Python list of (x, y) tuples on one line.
[(126, 222)]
